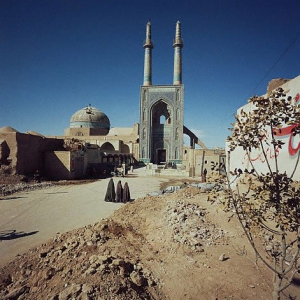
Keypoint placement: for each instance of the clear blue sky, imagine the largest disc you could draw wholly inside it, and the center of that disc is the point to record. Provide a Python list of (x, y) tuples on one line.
[(57, 56)]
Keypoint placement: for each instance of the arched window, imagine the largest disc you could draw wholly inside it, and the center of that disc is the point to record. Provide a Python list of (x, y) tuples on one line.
[(162, 119)]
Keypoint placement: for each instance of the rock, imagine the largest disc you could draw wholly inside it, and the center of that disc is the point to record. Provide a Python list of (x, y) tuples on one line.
[(223, 257), (87, 288), (269, 248), (48, 273), (137, 279), (118, 262), (71, 291), (102, 258), (90, 271), (16, 293)]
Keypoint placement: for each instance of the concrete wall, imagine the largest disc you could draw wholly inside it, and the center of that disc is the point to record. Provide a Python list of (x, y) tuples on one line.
[(286, 156)]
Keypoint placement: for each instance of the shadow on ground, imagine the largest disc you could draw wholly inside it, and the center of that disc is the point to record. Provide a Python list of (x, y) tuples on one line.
[(6, 235), (10, 198)]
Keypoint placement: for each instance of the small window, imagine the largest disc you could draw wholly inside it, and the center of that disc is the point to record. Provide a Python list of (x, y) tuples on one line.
[(162, 119)]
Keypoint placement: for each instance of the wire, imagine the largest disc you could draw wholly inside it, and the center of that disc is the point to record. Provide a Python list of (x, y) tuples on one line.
[(277, 62)]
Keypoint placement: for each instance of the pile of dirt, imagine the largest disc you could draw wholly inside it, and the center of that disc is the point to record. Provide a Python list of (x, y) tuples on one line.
[(172, 246)]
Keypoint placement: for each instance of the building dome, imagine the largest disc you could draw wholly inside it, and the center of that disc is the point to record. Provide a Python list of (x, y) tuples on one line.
[(90, 117), (7, 129)]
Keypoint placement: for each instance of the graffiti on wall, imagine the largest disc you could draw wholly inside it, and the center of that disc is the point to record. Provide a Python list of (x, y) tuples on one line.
[(289, 131), (270, 151)]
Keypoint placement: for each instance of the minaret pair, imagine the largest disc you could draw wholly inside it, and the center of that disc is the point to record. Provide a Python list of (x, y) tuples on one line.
[(148, 46)]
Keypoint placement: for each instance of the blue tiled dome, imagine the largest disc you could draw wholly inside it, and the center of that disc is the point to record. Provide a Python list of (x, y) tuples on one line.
[(90, 117)]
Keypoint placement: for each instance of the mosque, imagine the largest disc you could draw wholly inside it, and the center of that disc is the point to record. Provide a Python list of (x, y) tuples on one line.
[(90, 147)]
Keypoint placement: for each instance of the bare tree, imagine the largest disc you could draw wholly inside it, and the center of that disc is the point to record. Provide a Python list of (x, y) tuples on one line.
[(270, 203)]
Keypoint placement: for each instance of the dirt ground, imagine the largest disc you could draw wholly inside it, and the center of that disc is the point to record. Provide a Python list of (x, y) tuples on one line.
[(172, 246)]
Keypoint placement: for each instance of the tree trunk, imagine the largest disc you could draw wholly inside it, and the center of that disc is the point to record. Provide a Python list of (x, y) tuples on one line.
[(276, 287)]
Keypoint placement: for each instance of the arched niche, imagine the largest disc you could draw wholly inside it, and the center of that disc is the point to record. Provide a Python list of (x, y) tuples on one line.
[(107, 147), (161, 113)]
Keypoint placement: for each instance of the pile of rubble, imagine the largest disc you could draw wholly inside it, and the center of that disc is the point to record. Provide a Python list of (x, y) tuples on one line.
[(10, 189), (190, 226), (76, 265), (203, 186)]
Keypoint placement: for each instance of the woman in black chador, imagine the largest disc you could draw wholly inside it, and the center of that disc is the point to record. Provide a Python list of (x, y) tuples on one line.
[(119, 192), (110, 193), (126, 193)]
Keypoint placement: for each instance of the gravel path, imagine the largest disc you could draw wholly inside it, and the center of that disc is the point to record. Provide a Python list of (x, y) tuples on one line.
[(31, 218)]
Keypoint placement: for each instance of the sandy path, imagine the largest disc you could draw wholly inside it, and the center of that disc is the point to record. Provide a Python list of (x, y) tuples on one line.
[(38, 215)]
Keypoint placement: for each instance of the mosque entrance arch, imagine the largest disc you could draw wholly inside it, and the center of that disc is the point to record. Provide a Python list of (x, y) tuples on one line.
[(161, 156), (161, 131), (161, 113), (160, 153)]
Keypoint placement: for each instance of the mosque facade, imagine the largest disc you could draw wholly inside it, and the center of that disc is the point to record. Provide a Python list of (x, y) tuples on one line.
[(162, 111)]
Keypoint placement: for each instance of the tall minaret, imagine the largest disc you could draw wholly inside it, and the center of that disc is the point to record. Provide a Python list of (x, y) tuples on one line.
[(148, 46), (177, 44)]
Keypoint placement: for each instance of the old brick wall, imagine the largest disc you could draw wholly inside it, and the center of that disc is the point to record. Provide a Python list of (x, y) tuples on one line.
[(31, 150), (58, 165)]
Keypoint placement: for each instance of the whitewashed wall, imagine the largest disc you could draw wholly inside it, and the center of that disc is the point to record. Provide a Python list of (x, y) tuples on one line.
[(287, 156)]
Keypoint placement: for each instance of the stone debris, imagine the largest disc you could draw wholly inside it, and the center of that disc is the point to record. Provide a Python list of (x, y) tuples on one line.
[(172, 188), (223, 257), (202, 186), (10, 189), (80, 267), (190, 226)]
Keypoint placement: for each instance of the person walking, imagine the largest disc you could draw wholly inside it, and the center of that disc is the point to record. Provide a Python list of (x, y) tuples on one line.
[(204, 175), (126, 193), (119, 192), (110, 192)]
